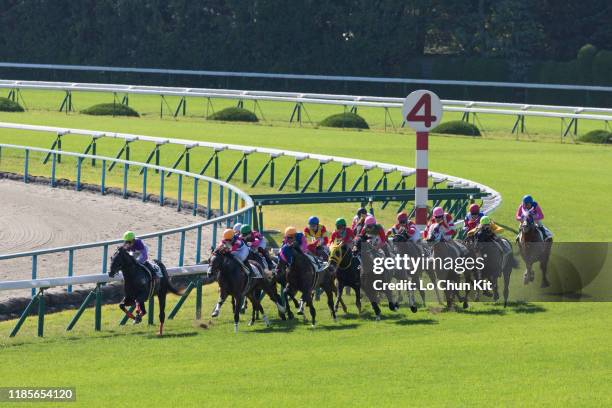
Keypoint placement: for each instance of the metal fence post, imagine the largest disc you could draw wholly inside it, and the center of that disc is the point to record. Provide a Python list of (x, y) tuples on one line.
[(34, 271), (70, 267), (26, 165), (198, 257)]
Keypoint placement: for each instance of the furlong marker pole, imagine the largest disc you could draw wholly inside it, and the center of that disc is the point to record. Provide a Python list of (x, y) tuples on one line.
[(422, 111), (421, 187)]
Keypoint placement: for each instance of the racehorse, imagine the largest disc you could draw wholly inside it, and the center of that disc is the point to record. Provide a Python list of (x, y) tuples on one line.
[(496, 261), (234, 281), (301, 276), (369, 278), (534, 249), (443, 250), (345, 266), (140, 284), (403, 245)]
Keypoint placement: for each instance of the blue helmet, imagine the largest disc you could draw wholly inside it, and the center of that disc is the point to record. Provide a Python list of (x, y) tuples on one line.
[(528, 199), (313, 220)]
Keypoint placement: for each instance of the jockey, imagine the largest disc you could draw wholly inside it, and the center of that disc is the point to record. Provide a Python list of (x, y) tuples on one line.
[(486, 223), (404, 226), (342, 234), (236, 246), (530, 208), (374, 233), (472, 220), (139, 251), (293, 239), (237, 227), (257, 243), (317, 236), (443, 221), (358, 220)]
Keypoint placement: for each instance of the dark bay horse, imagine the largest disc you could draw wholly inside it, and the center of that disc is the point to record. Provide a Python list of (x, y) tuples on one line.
[(139, 285), (301, 276), (534, 249), (234, 281), (346, 268), (484, 244)]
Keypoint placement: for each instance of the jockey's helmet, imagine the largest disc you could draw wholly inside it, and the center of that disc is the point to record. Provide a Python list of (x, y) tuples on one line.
[(245, 229), (528, 199), (438, 212), (290, 232), (402, 217), (485, 220), (228, 234), (313, 220), (474, 209), (361, 211), (340, 222), (129, 236), (237, 227), (370, 221)]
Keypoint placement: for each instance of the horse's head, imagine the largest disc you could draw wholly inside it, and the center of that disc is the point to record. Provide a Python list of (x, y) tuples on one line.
[(215, 262), (528, 224), (119, 261), (435, 234), (484, 235), (400, 237)]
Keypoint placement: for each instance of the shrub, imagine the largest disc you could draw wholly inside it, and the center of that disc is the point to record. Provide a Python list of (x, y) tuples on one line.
[(110, 109), (457, 127), (345, 120), (597, 136), (6, 105), (234, 114)]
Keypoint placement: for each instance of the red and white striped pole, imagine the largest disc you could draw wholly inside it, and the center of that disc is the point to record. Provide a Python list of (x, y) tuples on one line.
[(422, 111), (422, 186)]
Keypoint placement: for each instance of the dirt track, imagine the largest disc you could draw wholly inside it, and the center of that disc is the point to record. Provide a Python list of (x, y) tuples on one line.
[(35, 216)]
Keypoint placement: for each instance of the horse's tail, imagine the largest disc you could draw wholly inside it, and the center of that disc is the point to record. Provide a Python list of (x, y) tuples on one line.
[(169, 285)]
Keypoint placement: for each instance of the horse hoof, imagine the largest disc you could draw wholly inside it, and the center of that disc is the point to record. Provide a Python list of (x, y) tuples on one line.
[(214, 314), (544, 284), (465, 305), (496, 297), (335, 320), (290, 315), (251, 323), (413, 309), (377, 318), (300, 313)]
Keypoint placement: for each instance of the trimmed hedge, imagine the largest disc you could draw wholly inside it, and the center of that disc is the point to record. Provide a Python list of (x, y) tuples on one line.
[(6, 105), (456, 127), (234, 114), (110, 109), (597, 136), (345, 120)]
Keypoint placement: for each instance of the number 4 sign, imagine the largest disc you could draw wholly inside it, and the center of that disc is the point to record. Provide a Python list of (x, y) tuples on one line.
[(422, 110)]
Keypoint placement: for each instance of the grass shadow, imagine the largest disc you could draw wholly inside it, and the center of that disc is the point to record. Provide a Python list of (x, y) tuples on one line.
[(525, 307), (172, 335), (338, 327), (486, 312), (413, 322)]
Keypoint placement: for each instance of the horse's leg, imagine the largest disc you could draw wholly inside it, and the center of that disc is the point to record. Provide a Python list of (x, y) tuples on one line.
[(125, 310), (313, 313), (507, 272), (544, 267), (161, 296), (330, 301), (217, 309), (467, 278), (434, 279), (358, 298), (259, 308), (339, 295), (270, 290), (236, 303), (254, 309)]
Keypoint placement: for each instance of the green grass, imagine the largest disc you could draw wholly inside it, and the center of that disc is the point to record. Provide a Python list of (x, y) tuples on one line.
[(544, 354)]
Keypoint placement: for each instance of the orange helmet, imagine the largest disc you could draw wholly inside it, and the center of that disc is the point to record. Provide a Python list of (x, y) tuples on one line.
[(228, 234), (290, 232)]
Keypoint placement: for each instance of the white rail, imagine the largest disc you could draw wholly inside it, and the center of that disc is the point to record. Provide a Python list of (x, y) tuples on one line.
[(91, 279), (490, 202), (98, 68), (493, 108)]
